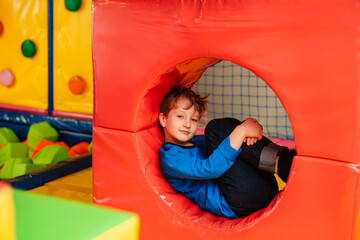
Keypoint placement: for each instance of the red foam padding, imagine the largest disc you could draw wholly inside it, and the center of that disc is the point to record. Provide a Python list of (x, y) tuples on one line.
[(127, 176)]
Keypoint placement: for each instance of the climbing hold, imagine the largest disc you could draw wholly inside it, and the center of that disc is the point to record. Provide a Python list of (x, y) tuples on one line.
[(77, 85), (28, 48), (72, 5), (7, 78)]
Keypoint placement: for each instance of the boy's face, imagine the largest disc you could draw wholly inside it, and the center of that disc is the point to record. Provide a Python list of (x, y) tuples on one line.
[(180, 124)]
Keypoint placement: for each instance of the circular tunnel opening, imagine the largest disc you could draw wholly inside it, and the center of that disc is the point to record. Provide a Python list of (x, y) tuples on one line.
[(234, 92)]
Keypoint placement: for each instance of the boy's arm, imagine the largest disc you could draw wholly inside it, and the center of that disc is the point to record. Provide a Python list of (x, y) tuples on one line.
[(249, 131), (178, 162)]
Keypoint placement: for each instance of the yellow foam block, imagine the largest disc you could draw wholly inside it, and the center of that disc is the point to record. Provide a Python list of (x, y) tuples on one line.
[(72, 57), (24, 20), (281, 183), (357, 223), (7, 213)]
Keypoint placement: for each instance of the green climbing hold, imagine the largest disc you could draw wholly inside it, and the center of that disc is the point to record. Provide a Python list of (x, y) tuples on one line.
[(28, 48), (73, 5)]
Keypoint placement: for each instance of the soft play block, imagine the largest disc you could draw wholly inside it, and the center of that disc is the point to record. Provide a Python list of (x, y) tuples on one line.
[(43, 143), (90, 146), (43, 217), (8, 170), (7, 213), (23, 168), (51, 154), (41, 130), (13, 150), (7, 135), (78, 149)]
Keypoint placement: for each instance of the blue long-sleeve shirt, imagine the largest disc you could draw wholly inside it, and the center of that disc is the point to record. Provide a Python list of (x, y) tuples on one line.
[(190, 172)]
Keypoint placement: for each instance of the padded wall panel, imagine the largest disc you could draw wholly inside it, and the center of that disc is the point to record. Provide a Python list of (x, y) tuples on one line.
[(24, 20), (72, 57), (305, 51), (288, 44)]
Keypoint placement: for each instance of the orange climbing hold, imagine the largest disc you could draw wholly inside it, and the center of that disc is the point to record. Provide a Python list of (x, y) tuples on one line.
[(77, 85)]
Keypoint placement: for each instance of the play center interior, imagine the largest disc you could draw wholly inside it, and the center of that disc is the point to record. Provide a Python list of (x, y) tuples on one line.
[(81, 83)]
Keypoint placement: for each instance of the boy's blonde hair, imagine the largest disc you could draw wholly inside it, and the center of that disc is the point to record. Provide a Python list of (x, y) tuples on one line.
[(169, 102)]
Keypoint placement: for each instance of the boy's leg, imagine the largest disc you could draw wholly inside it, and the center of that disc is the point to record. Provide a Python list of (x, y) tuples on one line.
[(219, 129), (247, 189), (261, 155)]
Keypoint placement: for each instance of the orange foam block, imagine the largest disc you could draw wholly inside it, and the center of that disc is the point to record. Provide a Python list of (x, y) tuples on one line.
[(25, 141), (43, 143), (78, 149)]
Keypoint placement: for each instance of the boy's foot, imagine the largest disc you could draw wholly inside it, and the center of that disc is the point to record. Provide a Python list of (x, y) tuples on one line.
[(284, 163), (269, 156), (276, 159)]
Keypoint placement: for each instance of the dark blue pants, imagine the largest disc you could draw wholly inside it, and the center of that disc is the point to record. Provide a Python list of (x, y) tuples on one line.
[(245, 188)]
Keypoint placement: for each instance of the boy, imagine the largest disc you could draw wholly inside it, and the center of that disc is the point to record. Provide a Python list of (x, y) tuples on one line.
[(224, 177)]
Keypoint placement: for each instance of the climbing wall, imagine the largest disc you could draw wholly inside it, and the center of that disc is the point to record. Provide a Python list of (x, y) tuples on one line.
[(72, 57), (45, 57)]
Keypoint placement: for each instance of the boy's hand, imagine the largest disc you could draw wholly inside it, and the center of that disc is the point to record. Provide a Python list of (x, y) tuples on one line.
[(250, 141), (252, 129), (249, 131)]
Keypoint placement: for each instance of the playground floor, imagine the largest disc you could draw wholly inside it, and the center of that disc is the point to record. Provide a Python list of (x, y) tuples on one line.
[(76, 186)]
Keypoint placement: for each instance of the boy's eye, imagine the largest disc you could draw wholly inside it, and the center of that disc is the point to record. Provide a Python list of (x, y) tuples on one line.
[(179, 116), (194, 120)]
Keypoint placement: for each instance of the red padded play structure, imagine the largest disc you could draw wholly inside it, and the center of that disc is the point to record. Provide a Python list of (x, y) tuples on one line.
[(306, 51)]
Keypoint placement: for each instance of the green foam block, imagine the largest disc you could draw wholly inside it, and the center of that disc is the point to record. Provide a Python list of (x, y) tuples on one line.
[(7, 135), (30, 152), (45, 217), (41, 130), (23, 168), (13, 150), (51, 154), (90, 147), (8, 170)]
